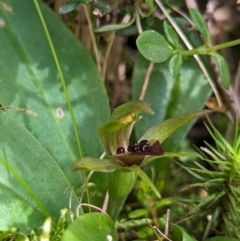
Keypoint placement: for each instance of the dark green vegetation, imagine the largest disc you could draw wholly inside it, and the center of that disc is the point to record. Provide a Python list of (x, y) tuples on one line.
[(69, 113)]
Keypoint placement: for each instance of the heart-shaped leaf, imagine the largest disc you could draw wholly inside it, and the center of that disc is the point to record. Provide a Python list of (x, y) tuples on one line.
[(153, 46), (89, 227)]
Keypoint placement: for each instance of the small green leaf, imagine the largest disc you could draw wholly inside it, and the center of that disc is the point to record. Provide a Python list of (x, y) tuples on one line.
[(138, 213), (153, 46), (94, 164), (113, 27), (175, 64), (200, 23), (179, 234), (101, 6), (120, 184), (223, 70), (89, 227), (171, 35), (163, 130), (71, 5)]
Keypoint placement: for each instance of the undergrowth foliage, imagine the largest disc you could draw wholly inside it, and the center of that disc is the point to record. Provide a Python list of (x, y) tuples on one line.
[(221, 180)]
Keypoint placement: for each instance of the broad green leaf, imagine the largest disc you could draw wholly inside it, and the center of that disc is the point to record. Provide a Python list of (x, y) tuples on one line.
[(29, 79), (171, 35), (120, 184), (223, 70), (179, 234), (222, 238), (153, 46), (71, 5), (94, 164), (33, 186), (200, 23), (175, 64), (114, 27), (164, 129), (89, 227)]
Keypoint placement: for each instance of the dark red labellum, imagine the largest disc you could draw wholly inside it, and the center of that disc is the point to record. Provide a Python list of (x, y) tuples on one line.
[(136, 158)]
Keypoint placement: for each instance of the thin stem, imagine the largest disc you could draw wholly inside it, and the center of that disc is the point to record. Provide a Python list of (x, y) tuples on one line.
[(91, 32), (146, 81), (189, 46), (151, 64), (207, 50), (223, 46), (108, 51), (138, 22)]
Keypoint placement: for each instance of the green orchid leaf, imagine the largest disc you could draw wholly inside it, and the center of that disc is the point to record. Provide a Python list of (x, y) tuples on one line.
[(163, 130), (71, 5), (171, 35), (138, 171), (114, 27), (170, 154), (153, 46), (223, 70), (179, 234), (120, 184), (175, 64), (116, 132), (33, 186), (89, 227), (200, 23), (94, 164)]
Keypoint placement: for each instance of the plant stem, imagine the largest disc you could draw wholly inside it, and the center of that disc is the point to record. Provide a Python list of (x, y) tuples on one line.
[(207, 50), (223, 46), (188, 44)]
